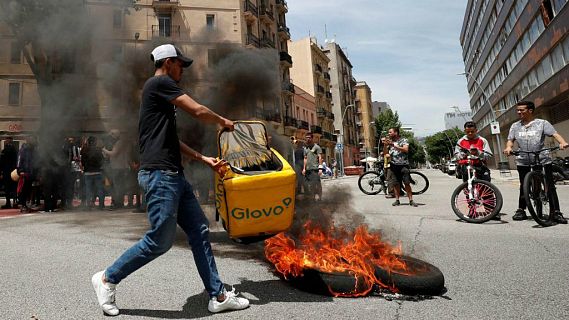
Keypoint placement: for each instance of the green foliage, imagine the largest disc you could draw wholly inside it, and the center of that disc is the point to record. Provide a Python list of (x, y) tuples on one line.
[(386, 120), (441, 144), (416, 153)]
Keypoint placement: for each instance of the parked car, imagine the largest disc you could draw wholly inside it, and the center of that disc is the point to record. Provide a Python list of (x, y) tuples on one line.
[(451, 168)]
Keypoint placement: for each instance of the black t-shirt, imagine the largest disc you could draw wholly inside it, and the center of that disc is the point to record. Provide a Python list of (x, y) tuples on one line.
[(158, 139)]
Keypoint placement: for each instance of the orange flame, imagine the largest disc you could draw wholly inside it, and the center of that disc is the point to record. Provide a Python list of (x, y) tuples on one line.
[(355, 252)]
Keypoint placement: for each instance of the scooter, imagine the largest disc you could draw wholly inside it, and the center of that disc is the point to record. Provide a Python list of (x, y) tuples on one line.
[(560, 168)]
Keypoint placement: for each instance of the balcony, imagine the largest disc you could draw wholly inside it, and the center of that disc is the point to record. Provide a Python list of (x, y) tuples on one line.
[(326, 76), (318, 69), (281, 6), (290, 122), (333, 138), (171, 31), (329, 95), (273, 117), (285, 58), (266, 14), (165, 5), (320, 89), (330, 115), (283, 31), (316, 129), (303, 125), (321, 112), (288, 87), (267, 43), (250, 11), (252, 40)]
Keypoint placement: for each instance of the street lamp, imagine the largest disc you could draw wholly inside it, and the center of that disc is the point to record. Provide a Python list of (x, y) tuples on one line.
[(341, 139), (494, 120)]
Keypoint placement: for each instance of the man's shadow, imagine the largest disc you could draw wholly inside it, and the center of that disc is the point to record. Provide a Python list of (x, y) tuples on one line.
[(258, 293)]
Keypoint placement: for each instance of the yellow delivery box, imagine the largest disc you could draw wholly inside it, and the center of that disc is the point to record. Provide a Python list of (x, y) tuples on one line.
[(255, 197)]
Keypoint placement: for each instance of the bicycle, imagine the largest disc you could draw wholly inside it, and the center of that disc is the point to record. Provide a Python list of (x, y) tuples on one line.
[(373, 182), (476, 200), (535, 190)]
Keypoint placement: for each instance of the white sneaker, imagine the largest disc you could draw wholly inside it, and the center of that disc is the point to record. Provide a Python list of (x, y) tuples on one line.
[(231, 302), (105, 294)]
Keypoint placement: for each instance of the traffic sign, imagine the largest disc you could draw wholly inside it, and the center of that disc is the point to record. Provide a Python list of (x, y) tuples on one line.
[(339, 146), (495, 127)]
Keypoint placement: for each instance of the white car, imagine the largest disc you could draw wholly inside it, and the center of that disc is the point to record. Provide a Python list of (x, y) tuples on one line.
[(451, 168)]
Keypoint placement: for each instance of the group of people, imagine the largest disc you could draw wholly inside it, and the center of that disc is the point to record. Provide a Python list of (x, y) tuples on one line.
[(310, 167), (529, 133), (76, 174)]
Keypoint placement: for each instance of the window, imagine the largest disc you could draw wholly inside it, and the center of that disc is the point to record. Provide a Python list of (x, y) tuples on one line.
[(117, 19), (558, 5), (165, 25), (532, 80), (14, 89), (211, 57), (210, 21), (566, 48), (15, 54), (558, 61)]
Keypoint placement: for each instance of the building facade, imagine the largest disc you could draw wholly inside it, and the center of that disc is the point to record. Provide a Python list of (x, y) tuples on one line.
[(365, 122), (199, 28), (513, 51), (342, 84)]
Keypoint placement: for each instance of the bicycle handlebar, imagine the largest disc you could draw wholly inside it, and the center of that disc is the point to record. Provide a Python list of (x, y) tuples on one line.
[(517, 152)]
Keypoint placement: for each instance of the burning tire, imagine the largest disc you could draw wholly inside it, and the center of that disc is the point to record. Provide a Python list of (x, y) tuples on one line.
[(330, 284), (420, 277)]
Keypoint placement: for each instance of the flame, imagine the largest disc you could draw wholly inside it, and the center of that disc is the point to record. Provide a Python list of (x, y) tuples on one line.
[(356, 252)]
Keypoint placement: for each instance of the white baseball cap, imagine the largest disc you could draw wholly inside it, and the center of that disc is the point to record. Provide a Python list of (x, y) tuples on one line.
[(170, 51)]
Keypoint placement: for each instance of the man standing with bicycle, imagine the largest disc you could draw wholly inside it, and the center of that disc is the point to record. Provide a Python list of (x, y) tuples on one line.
[(398, 149), (477, 146), (530, 134)]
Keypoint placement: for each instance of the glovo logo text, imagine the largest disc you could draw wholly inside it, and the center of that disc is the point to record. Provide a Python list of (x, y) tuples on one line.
[(247, 213)]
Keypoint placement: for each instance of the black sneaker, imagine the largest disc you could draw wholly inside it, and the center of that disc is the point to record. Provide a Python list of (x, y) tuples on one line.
[(396, 203), (413, 203), (558, 217), (520, 215)]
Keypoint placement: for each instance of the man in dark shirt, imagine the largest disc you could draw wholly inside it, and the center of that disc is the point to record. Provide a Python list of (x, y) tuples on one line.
[(8, 162), (170, 198)]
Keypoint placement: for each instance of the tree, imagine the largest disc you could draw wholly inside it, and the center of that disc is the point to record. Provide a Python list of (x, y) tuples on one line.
[(441, 145), (386, 120), (55, 37), (416, 152)]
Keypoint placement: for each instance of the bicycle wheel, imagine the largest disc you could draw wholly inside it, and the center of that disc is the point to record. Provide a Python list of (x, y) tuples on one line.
[(370, 183), (537, 200), (419, 182), (484, 204)]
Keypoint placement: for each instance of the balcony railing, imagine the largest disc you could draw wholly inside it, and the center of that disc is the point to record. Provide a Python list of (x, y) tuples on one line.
[(252, 40), (268, 43), (327, 135), (327, 76), (321, 112), (330, 115), (303, 125), (320, 89), (287, 86), (316, 129), (290, 122), (283, 30), (281, 5), (266, 13), (250, 9), (285, 57), (318, 68), (171, 31), (165, 4), (329, 95), (270, 116)]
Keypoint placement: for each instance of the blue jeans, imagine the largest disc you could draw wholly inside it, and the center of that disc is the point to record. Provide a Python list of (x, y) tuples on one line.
[(170, 200), (94, 187)]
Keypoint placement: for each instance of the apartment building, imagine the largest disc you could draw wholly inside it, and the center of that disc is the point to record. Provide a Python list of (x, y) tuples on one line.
[(365, 122), (512, 51), (342, 83), (310, 73), (203, 29)]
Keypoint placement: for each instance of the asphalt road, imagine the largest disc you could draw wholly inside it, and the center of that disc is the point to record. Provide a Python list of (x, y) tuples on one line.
[(496, 270)]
